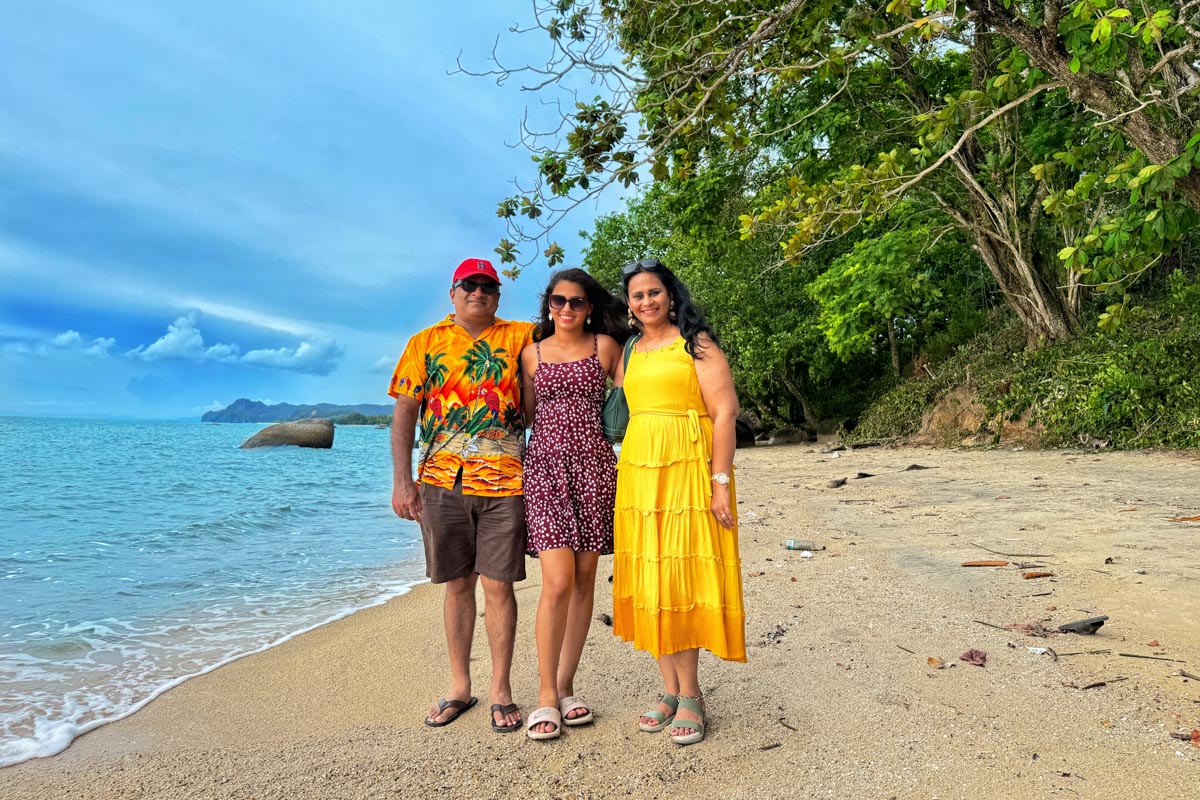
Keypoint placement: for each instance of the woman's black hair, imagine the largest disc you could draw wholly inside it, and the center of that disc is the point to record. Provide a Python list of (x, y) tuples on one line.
[(684, 312), (608, 313)]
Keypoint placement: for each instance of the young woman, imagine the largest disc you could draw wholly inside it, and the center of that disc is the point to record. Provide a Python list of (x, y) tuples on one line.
[(677, 583), (570, 479)]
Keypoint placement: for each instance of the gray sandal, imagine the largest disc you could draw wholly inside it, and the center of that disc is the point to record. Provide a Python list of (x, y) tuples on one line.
[(697, 728), (661, 720)]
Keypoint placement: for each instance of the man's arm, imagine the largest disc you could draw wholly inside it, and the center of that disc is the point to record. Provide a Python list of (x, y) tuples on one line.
[(406, 500)]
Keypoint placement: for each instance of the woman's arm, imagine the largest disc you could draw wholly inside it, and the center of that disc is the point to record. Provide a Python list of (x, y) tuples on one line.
[(716, 387), (610, 354), (528, 367)]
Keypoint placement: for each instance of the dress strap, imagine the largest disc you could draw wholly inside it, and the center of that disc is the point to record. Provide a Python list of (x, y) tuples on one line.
[(595, 345), (538, 347)]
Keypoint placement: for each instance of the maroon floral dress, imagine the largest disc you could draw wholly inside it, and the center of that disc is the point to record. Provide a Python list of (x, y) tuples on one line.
[(570, 468)]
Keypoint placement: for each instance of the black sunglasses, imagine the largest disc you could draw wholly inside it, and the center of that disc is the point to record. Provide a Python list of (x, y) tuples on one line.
[(639, 266), (469, 286), (558, 302)]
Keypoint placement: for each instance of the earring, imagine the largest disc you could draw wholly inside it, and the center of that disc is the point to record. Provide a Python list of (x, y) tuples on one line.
[(632, 319), (671, 315), (588, 321)]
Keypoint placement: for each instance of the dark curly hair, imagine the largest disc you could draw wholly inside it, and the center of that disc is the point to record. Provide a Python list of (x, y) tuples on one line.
[(608, 313), (684, 314)]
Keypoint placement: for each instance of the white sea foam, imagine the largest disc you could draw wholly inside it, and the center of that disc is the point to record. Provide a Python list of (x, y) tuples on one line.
[(57, 722)]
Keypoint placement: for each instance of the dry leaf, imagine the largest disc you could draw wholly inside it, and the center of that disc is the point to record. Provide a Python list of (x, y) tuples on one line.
[(1152, 643), (985, 564), (1028, 575), (1184, 519), (936, 663), (973, 656)]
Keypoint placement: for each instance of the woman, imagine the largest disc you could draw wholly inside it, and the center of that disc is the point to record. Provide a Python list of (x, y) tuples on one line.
[(677, 583), (570, 479)]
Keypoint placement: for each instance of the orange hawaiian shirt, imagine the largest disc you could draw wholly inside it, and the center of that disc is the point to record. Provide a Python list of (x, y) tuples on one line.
[(470, 394)]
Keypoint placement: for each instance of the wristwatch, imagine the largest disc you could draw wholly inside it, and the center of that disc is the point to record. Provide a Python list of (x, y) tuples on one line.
[(721, 478)]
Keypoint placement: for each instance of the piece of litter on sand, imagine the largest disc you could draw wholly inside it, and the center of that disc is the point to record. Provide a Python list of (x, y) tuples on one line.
[(973, 656), (806, 553), (905, 649), (990, 625), (836, 482), (1044, 651), (605, 618), (858, 476), (783, 722), (771, 746), (1098, 684), (1184, 519), (935, 662), (1036, 574), (1086, 627), (1189, 675), (912, 467), (1153, 658), (984, 564)]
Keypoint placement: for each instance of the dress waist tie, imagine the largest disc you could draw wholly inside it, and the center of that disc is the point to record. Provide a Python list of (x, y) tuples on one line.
[(693, 417)]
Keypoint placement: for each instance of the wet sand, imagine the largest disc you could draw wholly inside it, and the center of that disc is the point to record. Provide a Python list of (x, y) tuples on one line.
[(832, 703)]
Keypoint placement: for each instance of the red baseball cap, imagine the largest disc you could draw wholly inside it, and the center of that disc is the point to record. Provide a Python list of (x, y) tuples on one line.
[(475, 268)]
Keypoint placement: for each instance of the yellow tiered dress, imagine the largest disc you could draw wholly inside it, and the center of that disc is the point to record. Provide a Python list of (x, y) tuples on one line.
[(677, 579)]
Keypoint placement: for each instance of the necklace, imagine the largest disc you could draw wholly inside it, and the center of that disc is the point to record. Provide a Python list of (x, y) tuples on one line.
[(647, 349)]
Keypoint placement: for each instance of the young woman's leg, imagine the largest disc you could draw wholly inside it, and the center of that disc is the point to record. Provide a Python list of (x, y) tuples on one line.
[(666, 666), (686, 664), (558, 580), (579, 620)]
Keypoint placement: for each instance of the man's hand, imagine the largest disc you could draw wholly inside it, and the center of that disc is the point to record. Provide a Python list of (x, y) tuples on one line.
[(406, 500)]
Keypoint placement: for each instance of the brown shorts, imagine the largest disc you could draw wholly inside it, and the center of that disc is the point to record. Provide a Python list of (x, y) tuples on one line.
[(468, 533)]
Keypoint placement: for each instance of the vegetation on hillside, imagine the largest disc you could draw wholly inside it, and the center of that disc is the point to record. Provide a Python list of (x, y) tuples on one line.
[(859, 190)]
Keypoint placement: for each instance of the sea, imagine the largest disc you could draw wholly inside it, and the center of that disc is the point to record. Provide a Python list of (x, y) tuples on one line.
[(137, 554)]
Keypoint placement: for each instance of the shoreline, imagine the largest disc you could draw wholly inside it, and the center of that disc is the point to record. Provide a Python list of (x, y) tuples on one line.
[(78, 731), (829, 697)]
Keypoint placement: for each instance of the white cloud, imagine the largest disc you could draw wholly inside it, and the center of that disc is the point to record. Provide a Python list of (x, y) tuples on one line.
[(319, 357), (99, 346), (73, 340), (67, 339), (183, 342), (384, 365)]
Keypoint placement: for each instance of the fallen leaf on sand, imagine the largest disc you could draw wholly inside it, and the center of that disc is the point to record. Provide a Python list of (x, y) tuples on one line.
[(985, 564), (1184, 519), (936, 662), (1028, 575), (973, 656), (1153, 643)]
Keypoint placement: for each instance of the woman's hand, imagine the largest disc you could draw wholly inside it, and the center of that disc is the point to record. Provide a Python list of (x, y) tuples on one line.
[(720, 505)]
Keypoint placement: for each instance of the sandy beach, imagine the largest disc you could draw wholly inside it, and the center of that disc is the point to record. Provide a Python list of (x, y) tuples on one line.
[(838, 699)]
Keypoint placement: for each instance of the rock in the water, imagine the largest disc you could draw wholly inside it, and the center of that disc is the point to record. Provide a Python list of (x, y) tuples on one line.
[(304, 433)]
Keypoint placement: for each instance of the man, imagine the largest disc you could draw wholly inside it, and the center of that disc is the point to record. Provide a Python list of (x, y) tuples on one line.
[(460, 377)]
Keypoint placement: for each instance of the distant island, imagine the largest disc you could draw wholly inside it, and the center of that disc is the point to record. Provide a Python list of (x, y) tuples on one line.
[(245, 410)]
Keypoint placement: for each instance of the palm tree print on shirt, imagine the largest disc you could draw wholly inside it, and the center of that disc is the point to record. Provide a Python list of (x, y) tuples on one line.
[(485, 364)]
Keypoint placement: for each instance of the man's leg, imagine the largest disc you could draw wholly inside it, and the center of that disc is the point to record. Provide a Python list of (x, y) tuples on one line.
[(500, 621), (458, 611), (448, 535)]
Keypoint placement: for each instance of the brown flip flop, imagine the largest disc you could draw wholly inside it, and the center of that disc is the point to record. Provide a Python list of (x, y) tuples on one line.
[(460, 705), (504, 712)]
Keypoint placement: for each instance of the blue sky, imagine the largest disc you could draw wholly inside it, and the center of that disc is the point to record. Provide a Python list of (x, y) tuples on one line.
[(206, 201)]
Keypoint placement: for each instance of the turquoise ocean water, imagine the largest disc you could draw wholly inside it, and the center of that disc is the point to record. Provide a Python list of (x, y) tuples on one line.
[(134, 555)]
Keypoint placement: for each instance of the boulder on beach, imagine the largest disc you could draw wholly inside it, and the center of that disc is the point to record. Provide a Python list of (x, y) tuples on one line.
[(315, 432)]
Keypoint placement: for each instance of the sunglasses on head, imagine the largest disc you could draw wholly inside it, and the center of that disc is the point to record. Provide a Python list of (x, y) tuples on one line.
[(639, 266), (469, 286), (558, 302)]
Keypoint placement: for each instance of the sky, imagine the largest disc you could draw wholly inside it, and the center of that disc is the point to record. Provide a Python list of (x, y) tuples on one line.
[(262, 198)]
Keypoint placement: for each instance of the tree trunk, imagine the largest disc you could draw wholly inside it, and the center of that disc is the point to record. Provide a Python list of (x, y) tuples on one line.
[(1096, 92), (891, 329), (800, 393)]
